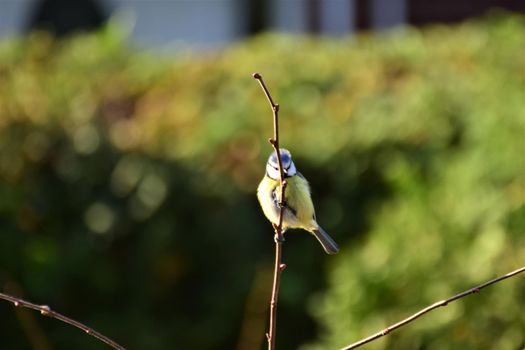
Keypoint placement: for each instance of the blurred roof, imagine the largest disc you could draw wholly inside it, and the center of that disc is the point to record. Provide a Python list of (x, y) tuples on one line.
[(214, 23)]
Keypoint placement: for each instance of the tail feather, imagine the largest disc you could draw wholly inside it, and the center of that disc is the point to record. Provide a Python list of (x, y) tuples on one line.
[(329, 245)]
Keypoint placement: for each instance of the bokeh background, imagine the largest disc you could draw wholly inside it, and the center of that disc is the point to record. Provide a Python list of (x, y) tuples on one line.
[(128, 171)]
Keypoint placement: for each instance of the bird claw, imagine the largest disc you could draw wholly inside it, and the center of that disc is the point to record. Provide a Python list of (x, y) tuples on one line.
[(278, 238)]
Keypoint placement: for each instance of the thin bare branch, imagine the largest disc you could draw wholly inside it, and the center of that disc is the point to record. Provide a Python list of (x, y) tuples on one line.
[(46, 311), (429, 308), (279, 266)]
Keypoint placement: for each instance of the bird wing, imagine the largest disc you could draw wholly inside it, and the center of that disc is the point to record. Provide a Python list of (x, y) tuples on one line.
[(309, 190), (298, 198)]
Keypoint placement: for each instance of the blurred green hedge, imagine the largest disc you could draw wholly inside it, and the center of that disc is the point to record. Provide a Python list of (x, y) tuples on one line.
[(127, 188)]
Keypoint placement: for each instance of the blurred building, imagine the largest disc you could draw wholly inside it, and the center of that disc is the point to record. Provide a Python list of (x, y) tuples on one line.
[(214, 23)]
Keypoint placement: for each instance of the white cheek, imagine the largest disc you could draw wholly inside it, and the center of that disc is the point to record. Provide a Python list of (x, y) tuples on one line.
[(273, 173)]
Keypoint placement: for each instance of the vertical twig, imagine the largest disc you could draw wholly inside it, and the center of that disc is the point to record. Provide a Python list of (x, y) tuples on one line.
[(279, 266), (46, 311)]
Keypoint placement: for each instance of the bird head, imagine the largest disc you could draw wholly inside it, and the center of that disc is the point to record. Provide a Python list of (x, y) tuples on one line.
[(272, 166)]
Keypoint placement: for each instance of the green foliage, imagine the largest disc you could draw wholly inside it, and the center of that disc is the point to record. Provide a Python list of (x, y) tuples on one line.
[(127, 188)]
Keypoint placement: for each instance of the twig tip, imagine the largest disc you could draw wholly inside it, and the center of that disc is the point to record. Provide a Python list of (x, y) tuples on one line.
[(256, 76)]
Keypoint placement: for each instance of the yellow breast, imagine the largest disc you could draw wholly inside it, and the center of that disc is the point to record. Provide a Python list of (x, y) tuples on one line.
[(297, 197)]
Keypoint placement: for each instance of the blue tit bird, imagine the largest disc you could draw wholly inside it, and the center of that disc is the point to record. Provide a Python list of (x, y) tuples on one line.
[(299, 210)]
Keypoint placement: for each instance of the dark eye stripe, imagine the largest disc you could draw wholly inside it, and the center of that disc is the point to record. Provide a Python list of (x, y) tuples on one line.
[(277, 167)]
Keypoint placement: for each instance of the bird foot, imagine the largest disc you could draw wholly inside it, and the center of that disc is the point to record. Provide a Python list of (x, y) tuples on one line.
[(278, 238)]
